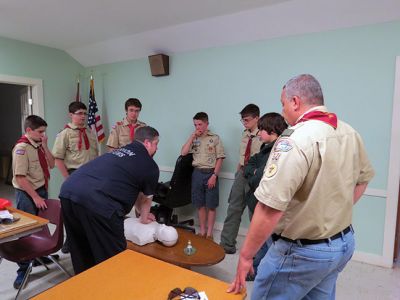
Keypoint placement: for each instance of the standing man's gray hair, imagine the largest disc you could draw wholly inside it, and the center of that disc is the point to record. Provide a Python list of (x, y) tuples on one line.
[(306, 87)]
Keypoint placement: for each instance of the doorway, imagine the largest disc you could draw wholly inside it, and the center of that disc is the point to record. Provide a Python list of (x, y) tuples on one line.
[(19, 97)]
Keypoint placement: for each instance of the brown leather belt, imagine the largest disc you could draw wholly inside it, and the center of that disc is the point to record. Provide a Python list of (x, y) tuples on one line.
[(276, 237)]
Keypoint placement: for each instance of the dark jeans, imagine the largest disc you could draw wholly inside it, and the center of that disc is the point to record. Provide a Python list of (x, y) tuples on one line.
[(25, 203)]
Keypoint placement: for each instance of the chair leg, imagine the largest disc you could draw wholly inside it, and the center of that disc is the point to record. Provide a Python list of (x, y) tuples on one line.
[(42, 263), (59, 265), (25, 280)]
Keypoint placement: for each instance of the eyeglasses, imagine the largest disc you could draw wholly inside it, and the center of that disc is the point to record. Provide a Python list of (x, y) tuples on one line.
[(246, 119), (187, 293), (80, 113)]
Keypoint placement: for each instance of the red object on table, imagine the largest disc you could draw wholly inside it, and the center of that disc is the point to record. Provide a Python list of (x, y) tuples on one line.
[(4, 203)]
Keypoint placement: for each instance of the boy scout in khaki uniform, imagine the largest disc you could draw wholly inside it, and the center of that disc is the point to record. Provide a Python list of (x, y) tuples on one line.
[(249, 145), (31, 162), (75, 145), (208, 154), (123, 132)]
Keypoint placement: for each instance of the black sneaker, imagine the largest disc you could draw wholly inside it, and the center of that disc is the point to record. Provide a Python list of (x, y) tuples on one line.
[(65, 248), (229, 250)]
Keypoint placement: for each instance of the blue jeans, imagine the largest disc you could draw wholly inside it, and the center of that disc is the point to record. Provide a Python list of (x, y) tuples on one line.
[(260, 254), (25, 203), (292, 271)]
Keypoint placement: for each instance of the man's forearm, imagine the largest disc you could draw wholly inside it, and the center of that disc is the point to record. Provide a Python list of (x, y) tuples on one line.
[(359, 191)]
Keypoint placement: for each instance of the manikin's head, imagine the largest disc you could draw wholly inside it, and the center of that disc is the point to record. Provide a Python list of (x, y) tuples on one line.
[(167, 235)]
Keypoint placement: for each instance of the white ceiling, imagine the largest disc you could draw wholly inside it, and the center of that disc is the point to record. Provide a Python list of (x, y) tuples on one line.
[(99, 31)]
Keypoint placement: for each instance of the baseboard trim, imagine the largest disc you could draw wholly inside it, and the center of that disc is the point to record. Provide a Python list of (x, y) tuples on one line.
[(359, 256)]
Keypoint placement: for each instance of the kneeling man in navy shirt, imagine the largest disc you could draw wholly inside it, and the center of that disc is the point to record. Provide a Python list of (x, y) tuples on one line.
[(97, 196)]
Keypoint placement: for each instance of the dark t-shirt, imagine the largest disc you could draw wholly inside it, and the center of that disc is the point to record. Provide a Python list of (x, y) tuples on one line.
[(112, 182)]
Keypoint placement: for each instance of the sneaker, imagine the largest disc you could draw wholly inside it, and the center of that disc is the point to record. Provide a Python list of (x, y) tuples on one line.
[(229, 250), (65, 248), (18, 280)]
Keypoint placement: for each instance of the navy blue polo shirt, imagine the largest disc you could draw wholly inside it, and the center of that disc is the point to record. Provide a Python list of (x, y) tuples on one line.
[(111, 182)]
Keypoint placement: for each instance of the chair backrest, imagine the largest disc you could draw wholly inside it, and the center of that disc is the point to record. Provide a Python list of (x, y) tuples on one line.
[(54, 215), (179, 193)]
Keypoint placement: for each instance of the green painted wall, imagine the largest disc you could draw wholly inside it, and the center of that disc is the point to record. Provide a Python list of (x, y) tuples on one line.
[(58, 71), (355, 67)]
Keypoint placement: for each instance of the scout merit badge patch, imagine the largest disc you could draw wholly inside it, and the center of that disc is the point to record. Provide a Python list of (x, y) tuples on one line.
[(20, 151), (271, 170), (283, 146)]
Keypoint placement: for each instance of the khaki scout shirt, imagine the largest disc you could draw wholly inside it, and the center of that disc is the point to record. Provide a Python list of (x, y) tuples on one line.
[(255, 144), (26, 163), (311, 175), (66, 147), (120, 134), (206, 150)]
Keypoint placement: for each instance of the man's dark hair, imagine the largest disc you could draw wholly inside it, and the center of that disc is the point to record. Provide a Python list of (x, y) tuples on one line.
[(133, 102), (202, 116), (251, 110), (75, 106), (34, 122), (146, 133), (272, 123)]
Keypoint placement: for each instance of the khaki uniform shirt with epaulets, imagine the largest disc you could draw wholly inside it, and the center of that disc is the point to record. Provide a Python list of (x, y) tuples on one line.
[(206, 150), (310, 175), (26, 163), (120, 133), (255, 144), (66, 147)]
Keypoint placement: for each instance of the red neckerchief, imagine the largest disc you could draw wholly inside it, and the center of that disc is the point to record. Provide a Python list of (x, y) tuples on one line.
[(132, 128), (82, 133), (42, 159), (328, 118)]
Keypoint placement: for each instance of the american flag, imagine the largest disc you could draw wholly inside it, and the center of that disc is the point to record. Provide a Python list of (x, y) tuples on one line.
[(94, 121)]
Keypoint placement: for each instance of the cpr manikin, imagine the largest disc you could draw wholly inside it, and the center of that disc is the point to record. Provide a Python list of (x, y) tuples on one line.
[(142, 234)]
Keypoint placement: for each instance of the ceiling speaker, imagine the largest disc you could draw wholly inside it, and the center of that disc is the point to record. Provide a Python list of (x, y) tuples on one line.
[(159, 64)]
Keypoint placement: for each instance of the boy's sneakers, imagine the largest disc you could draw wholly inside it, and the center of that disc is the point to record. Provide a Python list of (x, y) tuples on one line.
[(18, 280), (229, 250)]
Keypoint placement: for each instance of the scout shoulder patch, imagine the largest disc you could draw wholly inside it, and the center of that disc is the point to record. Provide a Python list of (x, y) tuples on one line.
[(283, 146), (271, 170), (20, 151), (287, 132)]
